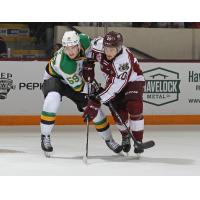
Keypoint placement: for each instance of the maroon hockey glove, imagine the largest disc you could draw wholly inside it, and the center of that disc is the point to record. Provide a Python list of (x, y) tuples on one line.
[(88, 71), (91, 110)]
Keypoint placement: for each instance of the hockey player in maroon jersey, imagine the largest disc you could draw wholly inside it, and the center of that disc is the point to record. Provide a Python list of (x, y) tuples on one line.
[(124, 86)]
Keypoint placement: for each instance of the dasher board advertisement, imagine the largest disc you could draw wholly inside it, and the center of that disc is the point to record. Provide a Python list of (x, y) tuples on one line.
[(20, 89), (172, 88)]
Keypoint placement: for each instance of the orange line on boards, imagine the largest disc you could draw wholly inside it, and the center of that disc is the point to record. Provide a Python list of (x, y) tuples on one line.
[(77, 120)]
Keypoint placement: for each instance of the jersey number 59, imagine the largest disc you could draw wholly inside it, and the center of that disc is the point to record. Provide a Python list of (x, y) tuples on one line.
[(73, 79)]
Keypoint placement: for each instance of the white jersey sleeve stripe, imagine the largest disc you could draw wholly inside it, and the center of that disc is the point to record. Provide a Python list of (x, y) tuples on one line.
[(115, 69)]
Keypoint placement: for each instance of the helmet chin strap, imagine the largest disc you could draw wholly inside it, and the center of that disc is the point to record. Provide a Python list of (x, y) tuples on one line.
[(79, 47), (119, 51), (119, 48)]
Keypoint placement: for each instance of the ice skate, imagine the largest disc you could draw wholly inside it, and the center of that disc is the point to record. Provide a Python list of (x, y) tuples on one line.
[(46, 145), (114, 146), (126, 144), (137, 150)]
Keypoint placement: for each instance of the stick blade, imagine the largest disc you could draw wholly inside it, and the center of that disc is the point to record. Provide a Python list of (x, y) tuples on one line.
[(148, 144)]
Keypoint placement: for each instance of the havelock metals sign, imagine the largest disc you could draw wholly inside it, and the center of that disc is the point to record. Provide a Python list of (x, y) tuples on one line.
[(162, 86)]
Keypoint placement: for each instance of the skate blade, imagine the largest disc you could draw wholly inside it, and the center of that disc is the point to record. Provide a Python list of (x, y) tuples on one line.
[(138, 155), (85, 160), (126, 154), (47, 154), (120, 154)]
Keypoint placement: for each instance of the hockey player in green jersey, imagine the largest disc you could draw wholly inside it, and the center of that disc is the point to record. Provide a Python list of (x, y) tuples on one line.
[(63, 77)]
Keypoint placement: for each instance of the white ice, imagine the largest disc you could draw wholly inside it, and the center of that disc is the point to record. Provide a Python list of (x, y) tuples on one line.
[(176, 152)]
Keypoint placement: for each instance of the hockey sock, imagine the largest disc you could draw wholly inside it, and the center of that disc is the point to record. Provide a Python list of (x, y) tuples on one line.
[(103, 128), (137, 127), (48, 114)]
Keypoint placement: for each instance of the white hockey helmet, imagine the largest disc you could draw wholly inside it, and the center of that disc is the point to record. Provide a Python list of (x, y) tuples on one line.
[(70, 38)]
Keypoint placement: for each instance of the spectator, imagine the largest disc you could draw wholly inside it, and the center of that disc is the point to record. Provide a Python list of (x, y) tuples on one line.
[(146, 24), (3, 48), (170, 24), (195, 25), (177, 25), (97, 24), (163, 25)]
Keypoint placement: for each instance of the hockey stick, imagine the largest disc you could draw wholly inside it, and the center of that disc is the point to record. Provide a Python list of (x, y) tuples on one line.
[(87, 137), (87, 133), (140, 145)]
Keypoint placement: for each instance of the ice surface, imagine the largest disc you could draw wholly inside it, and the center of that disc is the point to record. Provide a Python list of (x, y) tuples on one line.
[(176, 152)]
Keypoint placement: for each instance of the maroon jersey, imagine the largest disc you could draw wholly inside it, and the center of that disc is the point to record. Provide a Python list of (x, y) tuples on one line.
[(124, 68)]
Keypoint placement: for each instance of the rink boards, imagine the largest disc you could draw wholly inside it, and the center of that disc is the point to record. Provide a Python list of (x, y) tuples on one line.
[(171, 93)]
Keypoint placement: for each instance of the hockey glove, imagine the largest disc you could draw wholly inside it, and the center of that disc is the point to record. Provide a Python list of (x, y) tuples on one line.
[(88, 71), (91, 110)]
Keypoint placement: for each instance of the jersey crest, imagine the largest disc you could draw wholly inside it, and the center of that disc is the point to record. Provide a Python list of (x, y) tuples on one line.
[(123, 67)]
